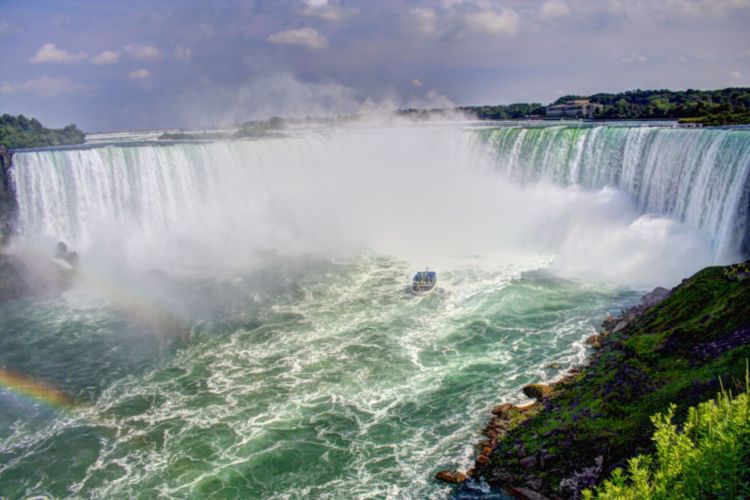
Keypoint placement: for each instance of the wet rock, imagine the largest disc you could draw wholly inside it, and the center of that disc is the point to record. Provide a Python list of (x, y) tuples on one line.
[(502, 410), (655, 296), (62, 253), (594, 341), (8, 204), (609, 322), (451, 476), (61, 250), (707, 351), (23, 276), (529, 462), (622, 325), (582, 479), (537, 391), (533, 482), (547, 460), (524, 493), (71, 258)]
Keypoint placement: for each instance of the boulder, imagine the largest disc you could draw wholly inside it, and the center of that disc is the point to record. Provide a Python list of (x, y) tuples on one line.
[(655, 296), (451, 476), (537, 391), (622, 325), (525, 493), (594, 341), (529, 462)]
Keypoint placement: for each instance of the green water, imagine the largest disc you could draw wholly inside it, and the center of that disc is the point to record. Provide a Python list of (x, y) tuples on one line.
[(307, 378)]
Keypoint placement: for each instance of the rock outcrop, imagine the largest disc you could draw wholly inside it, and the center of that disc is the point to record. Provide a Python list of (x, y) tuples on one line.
[(673, 348), (8, 205), (27, 274)]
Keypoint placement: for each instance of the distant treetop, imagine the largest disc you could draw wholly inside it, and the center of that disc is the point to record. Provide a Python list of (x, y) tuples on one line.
[(21, 132), (669, 104)]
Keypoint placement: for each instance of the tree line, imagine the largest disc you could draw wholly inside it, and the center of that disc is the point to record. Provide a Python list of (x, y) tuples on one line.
[(22, 132)]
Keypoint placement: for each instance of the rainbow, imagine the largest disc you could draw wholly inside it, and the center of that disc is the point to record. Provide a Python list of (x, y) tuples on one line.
[(36, 389)]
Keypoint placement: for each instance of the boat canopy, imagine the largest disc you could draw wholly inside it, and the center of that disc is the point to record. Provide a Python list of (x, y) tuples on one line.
[(423, 276)]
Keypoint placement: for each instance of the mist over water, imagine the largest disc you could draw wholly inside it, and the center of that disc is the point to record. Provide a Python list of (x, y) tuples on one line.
[(418, 193), (241, 325)]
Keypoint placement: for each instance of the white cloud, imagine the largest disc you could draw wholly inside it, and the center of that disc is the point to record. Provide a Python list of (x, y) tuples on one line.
[(48, 53), (322, 9), (425, 19), (493, 22), (44, 86), (142, 52), (182, 54), (140, 74), (106, 57), (417, 82), (456, 18), (307, 37), (737, 75), (553, 9)]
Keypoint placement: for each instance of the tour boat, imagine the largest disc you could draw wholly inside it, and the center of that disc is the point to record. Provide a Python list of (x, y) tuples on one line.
[(424, 282)]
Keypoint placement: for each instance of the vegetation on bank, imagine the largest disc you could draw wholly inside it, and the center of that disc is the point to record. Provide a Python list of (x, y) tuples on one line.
[(246, 130), (708, 458), (710, 107), (594, 421), (21, 132), (720, 119), (729, 106)]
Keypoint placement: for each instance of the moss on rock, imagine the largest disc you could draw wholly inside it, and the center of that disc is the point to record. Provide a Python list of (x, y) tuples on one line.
[(674, 352)]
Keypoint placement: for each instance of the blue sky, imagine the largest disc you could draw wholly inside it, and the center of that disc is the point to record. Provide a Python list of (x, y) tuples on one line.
[(112, 65)]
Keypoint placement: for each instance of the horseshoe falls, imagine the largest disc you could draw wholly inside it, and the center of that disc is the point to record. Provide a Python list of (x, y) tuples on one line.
[(241, 324), (701, 177)]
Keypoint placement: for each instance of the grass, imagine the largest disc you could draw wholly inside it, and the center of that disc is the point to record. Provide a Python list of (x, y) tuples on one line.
[(708, 458), (670, 359)]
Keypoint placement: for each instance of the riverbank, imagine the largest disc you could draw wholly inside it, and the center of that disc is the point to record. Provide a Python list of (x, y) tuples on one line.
[(676, 347)]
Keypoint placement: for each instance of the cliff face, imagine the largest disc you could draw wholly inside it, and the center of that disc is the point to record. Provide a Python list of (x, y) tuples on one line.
[(8, 205), (679, 351)]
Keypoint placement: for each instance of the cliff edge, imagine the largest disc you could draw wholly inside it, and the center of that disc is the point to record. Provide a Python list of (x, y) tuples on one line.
[(679, 347)]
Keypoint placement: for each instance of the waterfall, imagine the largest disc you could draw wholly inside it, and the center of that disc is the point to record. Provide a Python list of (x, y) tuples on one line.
[(305, 190), (700, 177), (309, 189)]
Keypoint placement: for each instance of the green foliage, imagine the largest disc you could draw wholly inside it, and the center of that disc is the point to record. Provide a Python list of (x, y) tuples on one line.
[(21, 132), (674, 353), (720, 119), (709, 458), (509, 112), (710, 107)]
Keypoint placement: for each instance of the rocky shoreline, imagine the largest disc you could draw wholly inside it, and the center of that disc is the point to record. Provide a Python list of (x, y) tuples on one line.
[(579, 428)]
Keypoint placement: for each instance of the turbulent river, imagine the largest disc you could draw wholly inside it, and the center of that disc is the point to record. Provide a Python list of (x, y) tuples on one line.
[(241, 323)]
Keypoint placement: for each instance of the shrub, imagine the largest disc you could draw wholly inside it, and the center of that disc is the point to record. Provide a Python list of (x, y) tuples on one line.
[(709, 458)]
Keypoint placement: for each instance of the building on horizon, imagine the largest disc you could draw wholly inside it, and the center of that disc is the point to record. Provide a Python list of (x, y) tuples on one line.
[(576, 108)]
